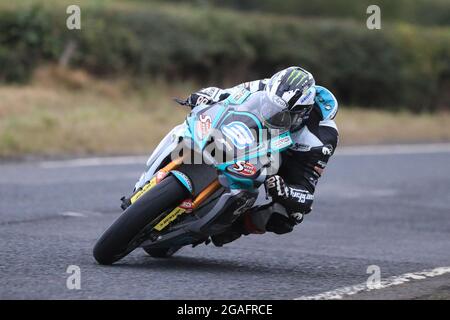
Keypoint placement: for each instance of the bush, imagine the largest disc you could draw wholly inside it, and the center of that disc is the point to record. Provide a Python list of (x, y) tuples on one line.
[(399, 65), (26, 39), (427, 12)]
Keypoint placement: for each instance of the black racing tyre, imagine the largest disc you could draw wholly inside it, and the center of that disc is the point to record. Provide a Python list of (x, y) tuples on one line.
[(161, 252), (114, 243)]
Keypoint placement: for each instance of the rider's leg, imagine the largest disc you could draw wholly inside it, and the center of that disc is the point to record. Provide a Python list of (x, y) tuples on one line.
[(271, 217)]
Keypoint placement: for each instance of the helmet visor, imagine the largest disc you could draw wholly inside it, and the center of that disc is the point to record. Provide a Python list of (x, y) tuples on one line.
[(274, 112)]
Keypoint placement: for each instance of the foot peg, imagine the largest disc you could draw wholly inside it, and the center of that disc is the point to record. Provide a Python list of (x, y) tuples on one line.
[(206, 242), (125, 203)]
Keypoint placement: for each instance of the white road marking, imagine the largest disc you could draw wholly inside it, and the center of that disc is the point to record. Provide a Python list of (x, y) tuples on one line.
[(394, 149), (79, 214), (389, 282), (73, 214), (341, 151), (353, 192)]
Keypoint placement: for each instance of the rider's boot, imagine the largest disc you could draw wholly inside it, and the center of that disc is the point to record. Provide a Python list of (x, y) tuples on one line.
[(271, 218), (242, 226)]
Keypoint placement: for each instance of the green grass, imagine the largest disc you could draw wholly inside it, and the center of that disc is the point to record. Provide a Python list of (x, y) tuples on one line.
[(82, 116), (70, 113), (401, 65)]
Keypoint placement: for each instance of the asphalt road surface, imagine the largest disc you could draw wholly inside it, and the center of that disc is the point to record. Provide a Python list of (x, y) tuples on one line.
[(385, 207)]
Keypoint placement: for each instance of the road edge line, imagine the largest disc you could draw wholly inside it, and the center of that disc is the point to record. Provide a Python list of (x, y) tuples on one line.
[(364, 287), (397, 149)]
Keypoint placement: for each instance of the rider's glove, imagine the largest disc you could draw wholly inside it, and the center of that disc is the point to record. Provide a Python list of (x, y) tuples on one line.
[(206, 96), (297, 201), (198, 98), (276, 187)]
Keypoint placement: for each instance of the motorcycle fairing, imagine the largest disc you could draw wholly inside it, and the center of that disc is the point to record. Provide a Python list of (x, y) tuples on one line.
[(218, 119), (162, 151)]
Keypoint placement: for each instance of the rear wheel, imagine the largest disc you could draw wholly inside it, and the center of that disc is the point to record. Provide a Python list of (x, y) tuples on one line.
[(117, 241)]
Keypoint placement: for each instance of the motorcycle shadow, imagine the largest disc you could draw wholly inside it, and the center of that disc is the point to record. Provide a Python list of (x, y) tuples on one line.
[(196, 264)]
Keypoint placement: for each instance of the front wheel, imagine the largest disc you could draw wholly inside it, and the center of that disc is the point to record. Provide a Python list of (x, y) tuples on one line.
[(117, 241)]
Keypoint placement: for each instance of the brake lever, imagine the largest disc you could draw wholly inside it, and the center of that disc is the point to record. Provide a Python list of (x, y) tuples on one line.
[(181, 102)]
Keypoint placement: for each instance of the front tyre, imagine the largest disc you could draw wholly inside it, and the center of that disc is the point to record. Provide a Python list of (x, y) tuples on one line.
[(116, 241)]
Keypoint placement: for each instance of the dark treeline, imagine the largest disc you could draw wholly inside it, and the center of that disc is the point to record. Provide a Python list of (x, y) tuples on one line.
[(397, 66), (426, 12)]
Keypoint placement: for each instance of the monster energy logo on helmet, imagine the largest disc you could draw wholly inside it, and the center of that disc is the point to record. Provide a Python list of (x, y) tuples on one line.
[(291, 84), (296, 77)]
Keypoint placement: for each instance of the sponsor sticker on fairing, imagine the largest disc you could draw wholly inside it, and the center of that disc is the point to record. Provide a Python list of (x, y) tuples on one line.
[(203, 125), (187, 205), (239, 134), (160, 175), (243, 168)]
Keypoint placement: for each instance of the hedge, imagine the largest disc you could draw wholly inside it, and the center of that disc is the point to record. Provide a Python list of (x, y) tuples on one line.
[(426, 12), (398, 66)]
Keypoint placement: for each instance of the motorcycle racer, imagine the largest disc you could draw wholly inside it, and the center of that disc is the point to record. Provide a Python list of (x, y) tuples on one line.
[(315, 137)]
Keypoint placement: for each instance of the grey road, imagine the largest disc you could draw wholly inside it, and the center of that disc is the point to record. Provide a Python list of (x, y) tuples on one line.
[(372, 208)]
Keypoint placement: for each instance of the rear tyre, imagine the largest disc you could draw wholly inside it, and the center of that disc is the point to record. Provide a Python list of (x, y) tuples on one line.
[(116, 241), (161, 252)]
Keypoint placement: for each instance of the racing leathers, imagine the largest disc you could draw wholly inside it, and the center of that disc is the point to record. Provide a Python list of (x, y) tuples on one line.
[(292, 189)]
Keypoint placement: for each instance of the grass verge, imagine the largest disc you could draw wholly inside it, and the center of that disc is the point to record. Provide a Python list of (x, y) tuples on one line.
[(69, 113)]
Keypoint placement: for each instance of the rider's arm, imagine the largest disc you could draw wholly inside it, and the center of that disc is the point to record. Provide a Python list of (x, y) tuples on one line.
[(304, 163), (252, 86), (214, 94)]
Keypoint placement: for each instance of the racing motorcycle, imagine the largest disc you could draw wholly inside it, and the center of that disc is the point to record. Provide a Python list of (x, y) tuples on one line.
[(201, 177)]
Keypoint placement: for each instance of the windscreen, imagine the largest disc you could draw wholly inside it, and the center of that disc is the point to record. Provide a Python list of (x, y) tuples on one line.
[(271, 110)]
